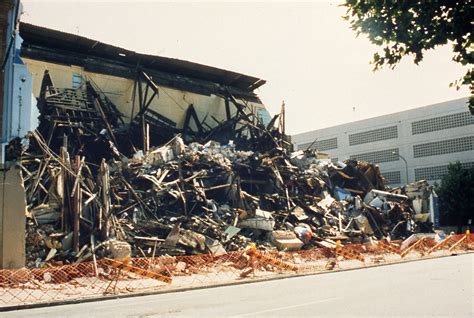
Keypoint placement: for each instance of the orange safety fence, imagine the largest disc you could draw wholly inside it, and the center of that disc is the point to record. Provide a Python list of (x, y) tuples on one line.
[(140, 275)]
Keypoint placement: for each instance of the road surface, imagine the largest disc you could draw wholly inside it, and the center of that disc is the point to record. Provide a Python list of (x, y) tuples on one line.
[(436, 287)]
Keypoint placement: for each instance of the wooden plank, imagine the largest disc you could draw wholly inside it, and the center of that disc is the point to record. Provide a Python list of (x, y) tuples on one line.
[(104, 171), (104, 119), (77, 205)]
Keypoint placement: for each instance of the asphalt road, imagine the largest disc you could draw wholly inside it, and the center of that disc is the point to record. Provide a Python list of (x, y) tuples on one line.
[(437, 287)]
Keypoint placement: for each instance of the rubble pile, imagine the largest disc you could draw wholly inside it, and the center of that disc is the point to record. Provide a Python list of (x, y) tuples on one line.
[(87, 185), (418, 194)]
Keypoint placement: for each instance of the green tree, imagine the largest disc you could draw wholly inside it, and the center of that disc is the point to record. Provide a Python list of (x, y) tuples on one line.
[(412, 27), (456, 195)]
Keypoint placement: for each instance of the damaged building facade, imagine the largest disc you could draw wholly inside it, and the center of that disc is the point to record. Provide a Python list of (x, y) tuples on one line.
[(54, 81), (106, 149), (166, 94)]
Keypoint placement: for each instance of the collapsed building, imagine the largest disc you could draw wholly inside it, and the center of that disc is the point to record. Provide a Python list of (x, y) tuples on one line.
[(173, 158)]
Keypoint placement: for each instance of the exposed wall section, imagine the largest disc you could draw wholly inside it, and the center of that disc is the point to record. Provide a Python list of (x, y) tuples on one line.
[(12, 219), (172, 103), (72, 61), (93, 56)]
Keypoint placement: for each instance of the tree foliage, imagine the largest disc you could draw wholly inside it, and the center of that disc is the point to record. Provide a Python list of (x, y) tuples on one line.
[(456, 194), (413, 27)]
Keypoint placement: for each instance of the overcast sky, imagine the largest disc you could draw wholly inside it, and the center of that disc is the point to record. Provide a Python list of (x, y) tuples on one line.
[(309, 56)]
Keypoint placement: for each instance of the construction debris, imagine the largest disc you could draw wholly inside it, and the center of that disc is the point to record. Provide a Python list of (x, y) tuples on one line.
[(94, 188)]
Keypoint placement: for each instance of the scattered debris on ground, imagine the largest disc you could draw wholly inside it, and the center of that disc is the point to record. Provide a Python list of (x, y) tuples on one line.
[(91, 179)]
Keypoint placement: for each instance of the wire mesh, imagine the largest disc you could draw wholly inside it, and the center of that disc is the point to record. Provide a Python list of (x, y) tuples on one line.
[(96, 279)]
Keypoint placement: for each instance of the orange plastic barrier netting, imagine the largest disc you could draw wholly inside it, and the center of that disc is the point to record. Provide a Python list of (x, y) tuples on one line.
[(104, 277)]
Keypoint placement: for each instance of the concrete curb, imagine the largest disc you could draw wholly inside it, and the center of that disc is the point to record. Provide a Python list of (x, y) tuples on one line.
[(233, 283)]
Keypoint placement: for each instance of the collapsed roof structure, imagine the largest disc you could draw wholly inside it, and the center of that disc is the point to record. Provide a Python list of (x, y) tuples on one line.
[(173, 157), (148, 92)]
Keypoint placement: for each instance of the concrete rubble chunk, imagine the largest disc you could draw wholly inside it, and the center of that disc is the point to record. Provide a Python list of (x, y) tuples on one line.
[(262, 220), (285, 240), (192, 239), (299, 214), (120, 249), (215, 247)]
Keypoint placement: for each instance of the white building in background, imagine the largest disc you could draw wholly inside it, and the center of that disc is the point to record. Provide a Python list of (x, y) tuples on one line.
[(428, 137)]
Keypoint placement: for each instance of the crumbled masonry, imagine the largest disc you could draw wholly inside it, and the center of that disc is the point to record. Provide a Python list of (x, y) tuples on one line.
[(92, 189)]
